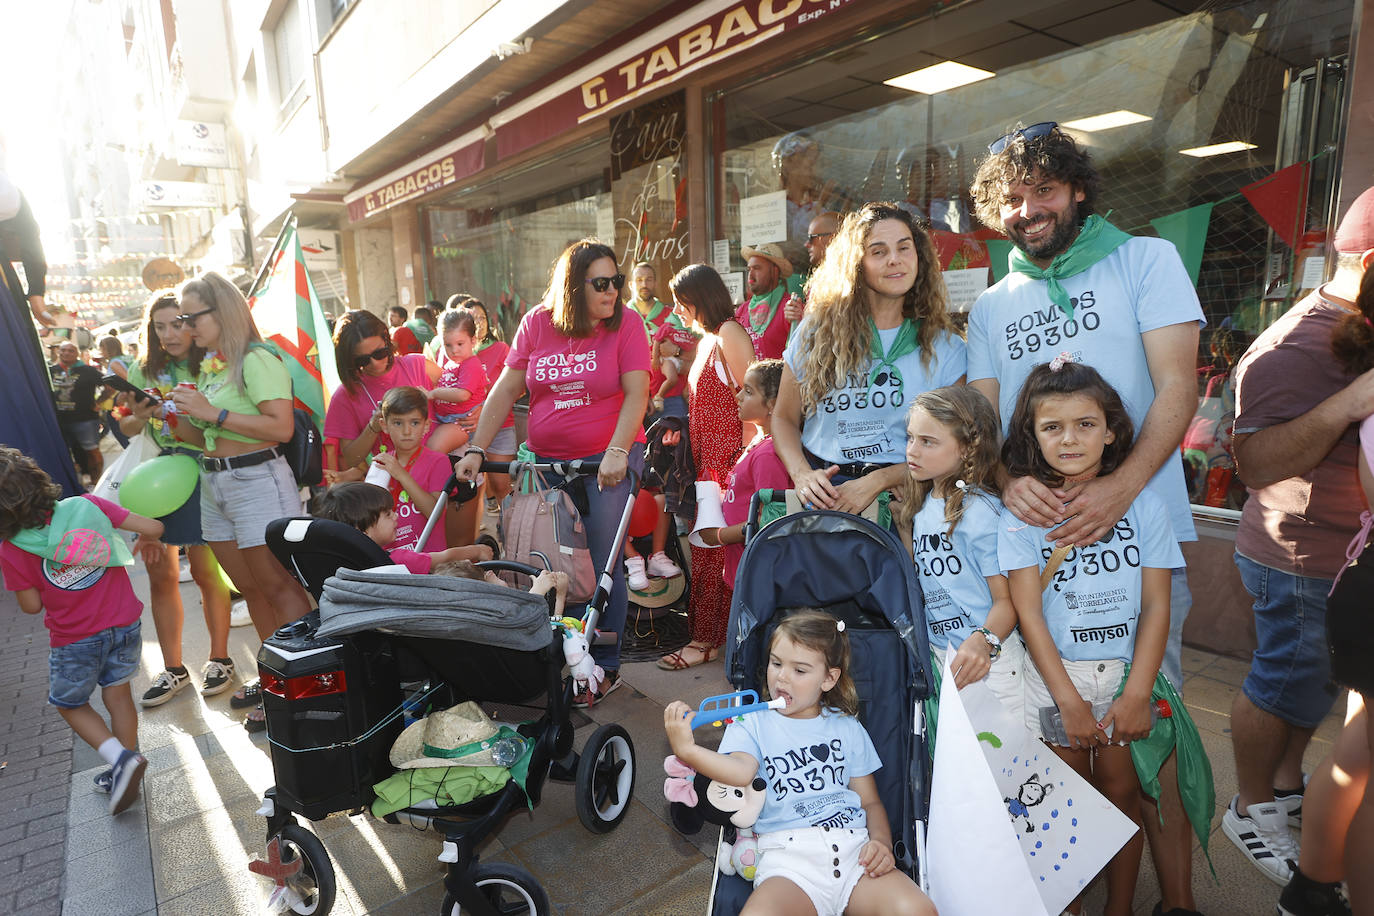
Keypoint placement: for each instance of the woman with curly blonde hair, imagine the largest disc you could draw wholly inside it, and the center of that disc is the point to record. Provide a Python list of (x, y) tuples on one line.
[(877, 333)]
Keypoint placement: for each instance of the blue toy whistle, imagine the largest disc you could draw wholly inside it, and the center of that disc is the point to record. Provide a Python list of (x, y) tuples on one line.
[(721, 709)]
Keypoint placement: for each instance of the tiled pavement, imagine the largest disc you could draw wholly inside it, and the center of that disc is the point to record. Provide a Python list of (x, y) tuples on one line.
[(185, 846)]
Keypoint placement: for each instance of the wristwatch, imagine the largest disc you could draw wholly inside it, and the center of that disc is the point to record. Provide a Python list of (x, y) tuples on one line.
[(994, 644)]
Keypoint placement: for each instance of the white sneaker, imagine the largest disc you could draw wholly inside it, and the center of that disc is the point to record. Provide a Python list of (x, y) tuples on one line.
[(185, 574), (238, 614), (634, 574), (165, 686), (1265, 838), (1292, 803), (662, 567)]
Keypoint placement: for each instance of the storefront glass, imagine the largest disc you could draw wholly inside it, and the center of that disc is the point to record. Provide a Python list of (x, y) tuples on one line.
[(1152, 104)]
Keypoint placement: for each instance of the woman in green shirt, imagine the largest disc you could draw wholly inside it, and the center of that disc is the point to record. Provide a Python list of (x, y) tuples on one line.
[(168, 359), (241, 412)]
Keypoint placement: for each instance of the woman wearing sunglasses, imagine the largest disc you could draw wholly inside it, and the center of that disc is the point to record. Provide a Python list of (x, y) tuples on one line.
[(169, 359), (583, 357), (369, 367), (240, 412)]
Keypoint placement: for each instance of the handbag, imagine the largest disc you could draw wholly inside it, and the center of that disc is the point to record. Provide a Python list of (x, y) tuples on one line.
[(544, 529), (141, 448)]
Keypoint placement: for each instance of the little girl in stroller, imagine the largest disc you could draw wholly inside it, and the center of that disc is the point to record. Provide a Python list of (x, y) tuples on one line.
[(824, 839)]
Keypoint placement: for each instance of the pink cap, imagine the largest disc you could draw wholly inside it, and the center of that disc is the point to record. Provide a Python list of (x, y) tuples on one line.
[(1356, 232)]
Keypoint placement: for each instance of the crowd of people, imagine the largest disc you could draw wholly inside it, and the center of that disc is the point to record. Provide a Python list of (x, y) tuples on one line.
[(1030, 461)]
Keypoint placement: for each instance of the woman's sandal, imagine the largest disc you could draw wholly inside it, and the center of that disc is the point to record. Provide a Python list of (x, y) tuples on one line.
[(256, 720), (674, 661), (249, 694)]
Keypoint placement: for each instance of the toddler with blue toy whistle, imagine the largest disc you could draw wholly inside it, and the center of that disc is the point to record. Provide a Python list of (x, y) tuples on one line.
[(1094, 618), (824, 840)]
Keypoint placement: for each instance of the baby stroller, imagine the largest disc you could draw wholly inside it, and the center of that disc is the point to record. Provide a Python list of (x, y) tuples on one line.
[(332, 693), (791, 564)]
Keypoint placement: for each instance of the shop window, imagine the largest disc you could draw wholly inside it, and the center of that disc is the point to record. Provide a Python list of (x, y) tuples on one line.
[(1181, 113), (288, 51)]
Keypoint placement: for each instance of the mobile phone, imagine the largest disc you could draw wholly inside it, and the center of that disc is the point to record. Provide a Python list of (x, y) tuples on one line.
[(128, 387), (1052, 720)]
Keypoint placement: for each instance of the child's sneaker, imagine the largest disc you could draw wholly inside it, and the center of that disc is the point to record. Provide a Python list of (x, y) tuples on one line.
[(164, 687), (660, 566), (103, 780), (125, 779), (219, 675), (634, 574), (1262, 833), (1304, 897)]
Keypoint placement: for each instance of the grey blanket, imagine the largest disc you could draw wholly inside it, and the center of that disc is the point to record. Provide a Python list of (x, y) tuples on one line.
[(439, 607)]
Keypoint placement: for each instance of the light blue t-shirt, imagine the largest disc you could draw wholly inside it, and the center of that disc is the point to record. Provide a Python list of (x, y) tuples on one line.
[(954, 569), (807, 764), (860, 422), (1141, 286), (1093, 603)]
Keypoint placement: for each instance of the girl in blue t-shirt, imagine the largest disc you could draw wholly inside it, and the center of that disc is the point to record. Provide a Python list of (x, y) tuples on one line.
[(824, 838), (1095, 622), (951, 504)]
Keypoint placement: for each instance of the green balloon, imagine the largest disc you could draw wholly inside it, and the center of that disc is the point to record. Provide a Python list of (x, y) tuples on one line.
[(159, 486)]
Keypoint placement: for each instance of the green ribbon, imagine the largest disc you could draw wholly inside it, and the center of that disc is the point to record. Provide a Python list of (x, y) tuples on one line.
[(756, 308), (1097, 239), (79, 534), (906, 342), (474, 747)]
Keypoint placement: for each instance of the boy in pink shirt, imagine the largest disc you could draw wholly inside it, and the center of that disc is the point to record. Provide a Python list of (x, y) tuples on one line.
[(65, 557), (418, 473), (369, 508)]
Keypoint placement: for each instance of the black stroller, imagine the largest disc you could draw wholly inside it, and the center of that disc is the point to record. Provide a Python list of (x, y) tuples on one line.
[(858, 571), (332, 693)]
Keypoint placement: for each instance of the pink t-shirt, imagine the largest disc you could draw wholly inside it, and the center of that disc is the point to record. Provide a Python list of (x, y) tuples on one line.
[(757, 469), (574, 383), (431, 470), (78, 601), (469, 375), (771, 340), (494, 358), (349, 412), (418, 563)]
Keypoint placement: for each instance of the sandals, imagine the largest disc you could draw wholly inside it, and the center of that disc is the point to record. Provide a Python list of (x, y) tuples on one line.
[(250, 694), (256, 720), (674, 661)]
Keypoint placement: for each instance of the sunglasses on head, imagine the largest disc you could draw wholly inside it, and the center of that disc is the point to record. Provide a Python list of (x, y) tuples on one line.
[(601, 284), (382, 352), (1034, 132)]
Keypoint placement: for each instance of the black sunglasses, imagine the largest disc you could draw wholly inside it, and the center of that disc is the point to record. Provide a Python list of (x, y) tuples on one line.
[(190, 319), (819, 235), (382, 352), (601, 284), (1034, 132)]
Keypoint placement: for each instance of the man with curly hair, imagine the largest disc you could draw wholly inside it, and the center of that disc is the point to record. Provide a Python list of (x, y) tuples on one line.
[(1125, 306)]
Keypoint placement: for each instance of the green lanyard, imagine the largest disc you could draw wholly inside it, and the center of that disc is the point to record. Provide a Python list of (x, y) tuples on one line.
[(884, 362)]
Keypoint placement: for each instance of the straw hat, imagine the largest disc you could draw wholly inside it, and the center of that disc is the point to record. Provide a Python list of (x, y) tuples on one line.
[(770, 251), (463, 736)]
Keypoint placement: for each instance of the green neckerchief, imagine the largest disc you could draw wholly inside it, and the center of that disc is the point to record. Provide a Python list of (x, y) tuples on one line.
[(1179, 733), (422, 331), (654, 311), (79, 534), (1097, 239), (907, 342), (756, 304)]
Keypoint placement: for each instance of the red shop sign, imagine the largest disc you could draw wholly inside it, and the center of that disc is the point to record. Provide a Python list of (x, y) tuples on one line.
[(740, 27), (421, 180)]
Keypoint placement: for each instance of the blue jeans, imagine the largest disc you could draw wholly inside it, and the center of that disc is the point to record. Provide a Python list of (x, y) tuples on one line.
[(1290, 672)]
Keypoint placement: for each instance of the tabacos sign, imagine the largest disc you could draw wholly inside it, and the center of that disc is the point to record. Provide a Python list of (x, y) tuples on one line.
[(739, 27), (416, 182)]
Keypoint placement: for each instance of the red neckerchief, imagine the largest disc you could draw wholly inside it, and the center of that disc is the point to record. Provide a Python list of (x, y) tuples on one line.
[(395, 485)]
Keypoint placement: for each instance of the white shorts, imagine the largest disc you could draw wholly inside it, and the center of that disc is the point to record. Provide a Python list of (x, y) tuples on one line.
[(1097, 682), (1006, 675), (823, 862)]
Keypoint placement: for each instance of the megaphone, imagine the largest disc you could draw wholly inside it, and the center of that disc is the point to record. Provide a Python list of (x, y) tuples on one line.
[(709, 513)]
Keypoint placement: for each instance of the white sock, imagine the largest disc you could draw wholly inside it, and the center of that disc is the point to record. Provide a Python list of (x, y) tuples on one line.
[(109, 750)]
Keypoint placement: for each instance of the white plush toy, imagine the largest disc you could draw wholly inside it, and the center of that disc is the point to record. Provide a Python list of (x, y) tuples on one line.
[(587, 675)]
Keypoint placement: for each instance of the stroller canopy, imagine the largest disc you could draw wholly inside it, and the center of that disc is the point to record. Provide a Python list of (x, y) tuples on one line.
[(823, 559)]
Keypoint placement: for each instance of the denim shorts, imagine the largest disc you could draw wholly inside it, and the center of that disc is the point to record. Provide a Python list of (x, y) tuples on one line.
[(106, 659), (236, 504), (1290, 672), (84, 433), (181, 526)]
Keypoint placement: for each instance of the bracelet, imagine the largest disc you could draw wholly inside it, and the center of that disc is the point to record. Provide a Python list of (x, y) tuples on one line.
[(474, 448), (616, 448), (994, 644), (223, 415)]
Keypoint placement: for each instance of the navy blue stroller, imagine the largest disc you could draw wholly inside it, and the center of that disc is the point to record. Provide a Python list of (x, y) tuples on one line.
[(858, 571)]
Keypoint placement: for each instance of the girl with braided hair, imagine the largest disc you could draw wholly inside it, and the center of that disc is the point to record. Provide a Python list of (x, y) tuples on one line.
[(950, 505)]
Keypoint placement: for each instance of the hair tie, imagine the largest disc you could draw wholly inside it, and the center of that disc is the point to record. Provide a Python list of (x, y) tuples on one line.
[(839, 626), (1367, 322), (1060, 361), (961, 485)]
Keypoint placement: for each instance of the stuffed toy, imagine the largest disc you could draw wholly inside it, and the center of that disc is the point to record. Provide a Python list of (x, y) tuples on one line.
[(587, 675), (697, 800)]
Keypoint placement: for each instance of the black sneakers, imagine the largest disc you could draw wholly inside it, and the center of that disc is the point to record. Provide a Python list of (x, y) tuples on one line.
[(1304, 897)]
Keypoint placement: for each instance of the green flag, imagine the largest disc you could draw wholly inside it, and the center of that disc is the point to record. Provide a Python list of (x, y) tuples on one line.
[(1187, 229)]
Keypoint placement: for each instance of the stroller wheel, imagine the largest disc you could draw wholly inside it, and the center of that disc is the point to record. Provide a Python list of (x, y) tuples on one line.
[(313, 885), (605, 779), (509, 889)]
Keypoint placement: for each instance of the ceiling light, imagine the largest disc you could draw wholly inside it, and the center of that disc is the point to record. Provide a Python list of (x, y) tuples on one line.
[(939, 78), (1217, 149), (1119, 118)]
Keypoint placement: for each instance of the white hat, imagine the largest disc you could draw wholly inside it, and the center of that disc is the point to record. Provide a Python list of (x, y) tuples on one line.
[(463, 736)]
